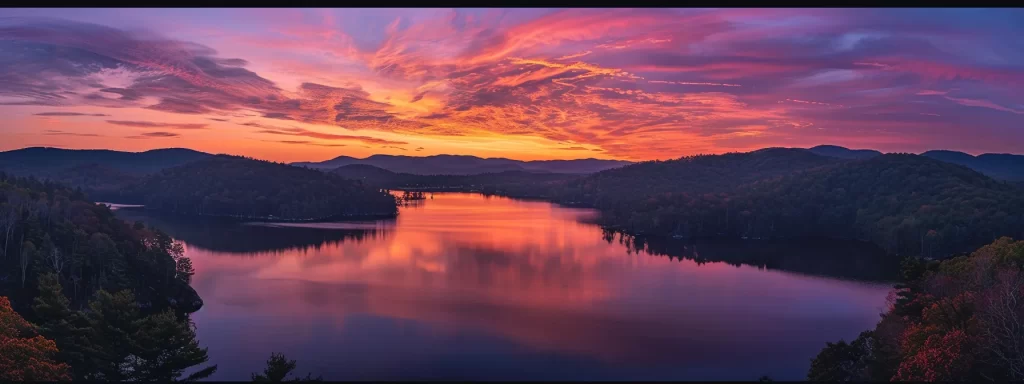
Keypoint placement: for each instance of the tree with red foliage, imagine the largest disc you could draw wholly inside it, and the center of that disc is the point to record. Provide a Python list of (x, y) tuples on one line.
[(24, 356), (944, 357)]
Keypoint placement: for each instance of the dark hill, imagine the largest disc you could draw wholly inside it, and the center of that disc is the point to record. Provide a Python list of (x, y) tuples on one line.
[(694, 174), (997, 165), (844, 153), (246, 188), (907, 204), (40, 161)]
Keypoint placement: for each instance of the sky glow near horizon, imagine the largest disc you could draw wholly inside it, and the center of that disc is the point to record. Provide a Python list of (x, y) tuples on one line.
[(312, 84)]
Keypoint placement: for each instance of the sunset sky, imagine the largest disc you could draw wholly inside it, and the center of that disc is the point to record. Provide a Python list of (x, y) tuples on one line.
[(311, 84)]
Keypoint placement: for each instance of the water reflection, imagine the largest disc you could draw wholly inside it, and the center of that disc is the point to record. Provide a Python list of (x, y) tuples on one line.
[(471, 287), (231, 237)]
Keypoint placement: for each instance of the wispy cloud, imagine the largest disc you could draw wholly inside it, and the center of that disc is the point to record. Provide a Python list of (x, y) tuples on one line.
[(54, 132), (150, 124), (293, 131), (151, 135), (69, 114), (305, 142)]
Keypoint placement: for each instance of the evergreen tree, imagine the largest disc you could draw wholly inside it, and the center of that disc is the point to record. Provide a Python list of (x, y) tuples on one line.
[(278, 368), (113, 319), (165, 347), (61, 324)]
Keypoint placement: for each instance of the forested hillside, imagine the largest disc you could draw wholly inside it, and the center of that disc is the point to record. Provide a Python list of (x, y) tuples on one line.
[(61, 256), (247, 188), (907, 204), (611, 189), (45, 227), (958, 320)]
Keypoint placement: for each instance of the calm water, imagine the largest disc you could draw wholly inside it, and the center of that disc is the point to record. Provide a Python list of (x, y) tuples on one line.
[(469, 287)]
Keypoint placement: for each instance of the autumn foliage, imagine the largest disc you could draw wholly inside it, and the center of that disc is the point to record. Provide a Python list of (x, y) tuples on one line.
[(960, 319), (23, 355)]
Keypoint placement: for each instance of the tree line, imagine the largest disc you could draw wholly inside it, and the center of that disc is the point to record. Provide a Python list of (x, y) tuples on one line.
[(248, 188)]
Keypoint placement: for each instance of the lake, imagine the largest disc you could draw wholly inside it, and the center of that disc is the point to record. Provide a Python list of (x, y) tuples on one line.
[(469, 287)]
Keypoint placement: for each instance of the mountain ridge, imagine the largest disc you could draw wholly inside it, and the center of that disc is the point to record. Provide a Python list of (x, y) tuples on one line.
[(465, 164), (51, 161)]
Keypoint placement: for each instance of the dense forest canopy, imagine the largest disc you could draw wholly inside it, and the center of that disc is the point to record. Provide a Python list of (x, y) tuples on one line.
[(24, 354), (240, 187), (907, 204), (693, 174), (61, 256), (46, 227), (955, 320)]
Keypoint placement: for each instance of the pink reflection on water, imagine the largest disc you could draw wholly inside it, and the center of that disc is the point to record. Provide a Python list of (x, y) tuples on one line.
[(534, 274)]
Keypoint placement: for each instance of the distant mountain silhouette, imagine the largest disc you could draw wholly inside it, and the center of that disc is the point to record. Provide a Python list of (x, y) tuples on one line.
[(843, 152), (466, 165), (996, 165), (41, 160), (382, 178), (574, 166), (370, 174), (999, 166)]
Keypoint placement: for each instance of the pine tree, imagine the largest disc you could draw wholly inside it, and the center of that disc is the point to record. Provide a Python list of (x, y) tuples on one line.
[(113, 319), (279, 367), (184, 270), (165, 347), (61, 324)]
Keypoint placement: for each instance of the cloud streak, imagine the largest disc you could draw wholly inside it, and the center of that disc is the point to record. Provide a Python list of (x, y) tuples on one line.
[(55, 132), (149, 124), (151, 135), (69, 114)]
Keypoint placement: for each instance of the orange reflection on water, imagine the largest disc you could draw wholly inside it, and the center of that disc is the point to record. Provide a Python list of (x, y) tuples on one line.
[(457, 244)]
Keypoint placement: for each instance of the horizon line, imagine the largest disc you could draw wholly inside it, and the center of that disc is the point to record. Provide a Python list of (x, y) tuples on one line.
[(497, 158)]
